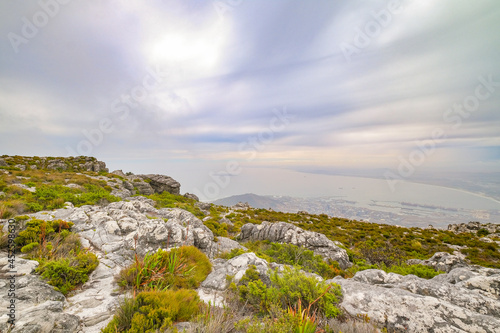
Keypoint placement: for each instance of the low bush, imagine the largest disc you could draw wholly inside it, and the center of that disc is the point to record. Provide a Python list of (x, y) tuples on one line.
[(482, 232), (286, 289), (154, 311), (386, 254), (184, 267), (63, 261), (289, 254), (67, 274)]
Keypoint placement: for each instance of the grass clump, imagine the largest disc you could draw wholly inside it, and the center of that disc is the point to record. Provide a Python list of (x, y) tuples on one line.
[(184, 267), (292, 302), (63, 261), (154, 311), (288, 254)]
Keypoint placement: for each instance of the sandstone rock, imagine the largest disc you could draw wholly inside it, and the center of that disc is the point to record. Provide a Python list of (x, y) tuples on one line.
[(461, 301), (115, 233), (161, 183), (224, 244), (119, 173), (441, 261), (192, 196), (25, 187), (57, 164), (204, 206), (39, 308), (226, 221), (474, 227), (241, 206), (283, 232), (47, 317), (143, 188), (236, 268), (94, 165)]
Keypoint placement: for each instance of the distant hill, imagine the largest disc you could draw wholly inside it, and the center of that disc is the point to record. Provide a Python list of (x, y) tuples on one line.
[(254, 200)]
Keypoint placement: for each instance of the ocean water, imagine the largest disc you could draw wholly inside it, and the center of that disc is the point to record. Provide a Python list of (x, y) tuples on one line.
[(408, 203)]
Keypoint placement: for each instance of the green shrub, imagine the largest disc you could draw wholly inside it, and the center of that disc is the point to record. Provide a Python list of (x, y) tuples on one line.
[(387, 254), (218, 229), (62, 261), (421, 271), (290, 254), (41, 231), (482, 232), (67, 274), (280, 321), (288, 288), (154, 311), (184, 267)]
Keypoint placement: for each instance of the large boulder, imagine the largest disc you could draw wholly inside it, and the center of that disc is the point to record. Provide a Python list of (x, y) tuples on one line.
[(283, 232), (463, 300), (162, 183), (57, 164), (92, 164)]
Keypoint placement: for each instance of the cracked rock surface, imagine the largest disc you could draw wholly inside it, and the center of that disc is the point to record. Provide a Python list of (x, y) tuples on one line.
[(464, 300), (114, 233), (283, 232)]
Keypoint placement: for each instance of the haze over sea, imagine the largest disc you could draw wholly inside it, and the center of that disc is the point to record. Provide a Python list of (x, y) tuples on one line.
[(410, 203)]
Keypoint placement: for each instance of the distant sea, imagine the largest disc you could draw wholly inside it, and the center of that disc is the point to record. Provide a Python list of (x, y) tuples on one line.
[(411, 204)]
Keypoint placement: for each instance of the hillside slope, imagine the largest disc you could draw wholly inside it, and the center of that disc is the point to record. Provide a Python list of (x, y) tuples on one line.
[(105, 226)]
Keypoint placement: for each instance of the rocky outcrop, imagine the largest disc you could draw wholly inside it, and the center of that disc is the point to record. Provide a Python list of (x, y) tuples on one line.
[(283, 232), (79, 163), (123, 227), (142, 187), (129, 185), (57, 164), (191, 196), (441, 261), (38, 307), (115, 233), (464, 300), (474, 227), (241, 206), (224, 245), (162, 183)]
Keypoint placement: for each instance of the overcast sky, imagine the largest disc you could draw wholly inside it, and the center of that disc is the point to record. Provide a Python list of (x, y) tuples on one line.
[(189, 87)]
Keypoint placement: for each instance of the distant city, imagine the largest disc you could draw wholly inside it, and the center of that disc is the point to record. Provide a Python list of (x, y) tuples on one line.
[(395, 213)]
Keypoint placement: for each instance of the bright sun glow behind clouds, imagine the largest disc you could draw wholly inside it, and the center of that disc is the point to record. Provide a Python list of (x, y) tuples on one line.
[(196, 52)]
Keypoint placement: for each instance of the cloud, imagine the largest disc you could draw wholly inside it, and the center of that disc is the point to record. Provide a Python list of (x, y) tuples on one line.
[(224, 76)]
